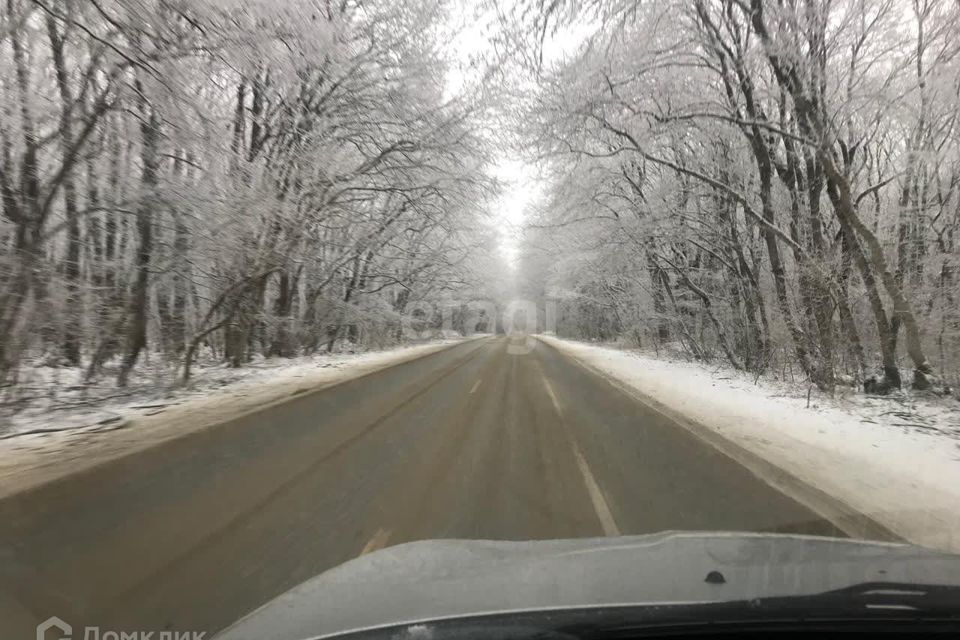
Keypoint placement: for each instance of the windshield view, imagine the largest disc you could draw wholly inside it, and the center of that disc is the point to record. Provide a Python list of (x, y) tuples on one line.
[(471, 319)]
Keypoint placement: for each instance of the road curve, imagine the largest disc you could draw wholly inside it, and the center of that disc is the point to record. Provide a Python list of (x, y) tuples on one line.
[(493, 438)]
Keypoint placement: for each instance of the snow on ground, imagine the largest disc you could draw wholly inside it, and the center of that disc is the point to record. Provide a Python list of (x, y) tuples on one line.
[(61, 426), (895, 459)]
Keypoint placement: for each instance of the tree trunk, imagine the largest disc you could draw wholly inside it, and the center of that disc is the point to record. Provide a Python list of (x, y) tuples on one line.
[(854, 344), (776, 262), (901, 306), (22, 206), (887, 354), (70, 347), (659, 300), (283, 340), (137, 309)]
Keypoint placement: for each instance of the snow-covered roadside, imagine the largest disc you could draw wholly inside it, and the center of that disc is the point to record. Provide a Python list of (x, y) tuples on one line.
[(49, 441), (896, 460)]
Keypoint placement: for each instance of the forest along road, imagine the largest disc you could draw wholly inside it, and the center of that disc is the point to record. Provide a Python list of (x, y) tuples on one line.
[(474, 441)]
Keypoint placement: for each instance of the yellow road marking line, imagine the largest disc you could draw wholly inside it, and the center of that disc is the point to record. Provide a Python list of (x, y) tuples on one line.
[(600, 505), (596, 496), (553, 396), (378, 541)]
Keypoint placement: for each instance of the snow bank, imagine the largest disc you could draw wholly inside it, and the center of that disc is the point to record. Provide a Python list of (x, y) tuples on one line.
[(894, 459), (66, 426)]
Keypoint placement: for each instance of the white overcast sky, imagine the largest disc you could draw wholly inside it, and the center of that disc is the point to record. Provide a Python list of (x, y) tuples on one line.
[(522, 187)]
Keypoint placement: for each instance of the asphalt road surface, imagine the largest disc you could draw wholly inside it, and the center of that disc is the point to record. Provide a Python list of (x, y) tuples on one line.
[(470, 442)]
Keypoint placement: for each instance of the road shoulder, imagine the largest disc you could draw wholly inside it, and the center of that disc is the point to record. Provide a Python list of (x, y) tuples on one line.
[(907, 485)]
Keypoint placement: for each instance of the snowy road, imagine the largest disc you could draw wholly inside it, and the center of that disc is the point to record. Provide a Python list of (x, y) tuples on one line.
[(470, 442)]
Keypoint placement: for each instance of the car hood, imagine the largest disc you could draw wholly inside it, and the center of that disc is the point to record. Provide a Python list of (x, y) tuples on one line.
[(440, 579)]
